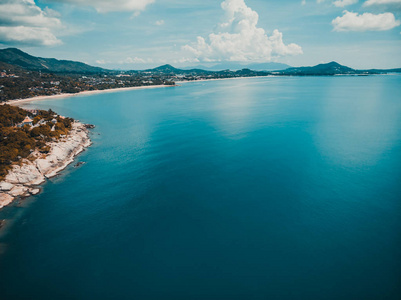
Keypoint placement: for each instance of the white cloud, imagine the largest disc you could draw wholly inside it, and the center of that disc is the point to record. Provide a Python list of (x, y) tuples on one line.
[(239, 38), (186, 60), (340, 3), (343, 3), (381, 2), (28, 35), (136, 60), (22, 21), (104, 6), (366, 22), (159, 22)]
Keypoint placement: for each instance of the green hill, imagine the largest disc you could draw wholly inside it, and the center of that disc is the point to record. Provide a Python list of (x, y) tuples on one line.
[(332, 68), (21, 59)]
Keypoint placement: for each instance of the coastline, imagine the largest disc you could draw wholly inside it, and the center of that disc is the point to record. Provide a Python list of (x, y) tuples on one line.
[(61, 96), (17, 102), (24, 178)]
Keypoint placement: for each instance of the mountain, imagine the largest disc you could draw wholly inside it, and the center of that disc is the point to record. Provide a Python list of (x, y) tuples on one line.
[(16, 60), (270, 66), (170, 70), (10, 68), (21, 59), (332, 68), (165, 69)]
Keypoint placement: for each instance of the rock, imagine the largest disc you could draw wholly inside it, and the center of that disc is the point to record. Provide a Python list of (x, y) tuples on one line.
[(6, 186), (34, 191), (18, 190), (5, 199), (27, 173), (20, 181), (78, 164), (63, 153)]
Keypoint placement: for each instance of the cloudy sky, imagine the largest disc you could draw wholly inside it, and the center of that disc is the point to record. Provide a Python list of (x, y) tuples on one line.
[(136, 34)]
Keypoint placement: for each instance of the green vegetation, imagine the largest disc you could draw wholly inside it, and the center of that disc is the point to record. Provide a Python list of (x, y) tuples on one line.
[(19, 58), (17, 143), (17, 83)]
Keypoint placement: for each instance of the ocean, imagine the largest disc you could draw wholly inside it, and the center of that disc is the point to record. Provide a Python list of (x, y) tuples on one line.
[(260, 188)]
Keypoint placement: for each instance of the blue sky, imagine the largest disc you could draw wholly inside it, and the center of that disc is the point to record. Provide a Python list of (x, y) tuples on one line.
[(136, 34)]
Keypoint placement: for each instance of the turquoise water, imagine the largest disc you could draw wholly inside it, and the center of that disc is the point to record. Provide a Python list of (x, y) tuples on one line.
[(264, 188)]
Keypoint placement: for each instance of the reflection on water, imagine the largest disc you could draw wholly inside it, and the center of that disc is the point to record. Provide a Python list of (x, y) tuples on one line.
[(359, 130)]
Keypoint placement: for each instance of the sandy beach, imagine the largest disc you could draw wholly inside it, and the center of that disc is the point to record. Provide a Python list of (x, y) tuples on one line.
[(17, 102)]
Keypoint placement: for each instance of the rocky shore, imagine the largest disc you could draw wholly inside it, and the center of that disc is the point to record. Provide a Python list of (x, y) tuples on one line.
[(23, 179)]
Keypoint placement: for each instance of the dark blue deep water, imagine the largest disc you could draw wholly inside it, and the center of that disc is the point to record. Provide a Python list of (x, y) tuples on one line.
[(264, 188)]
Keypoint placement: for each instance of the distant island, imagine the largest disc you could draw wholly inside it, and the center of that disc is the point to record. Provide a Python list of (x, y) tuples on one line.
[(26, 76)]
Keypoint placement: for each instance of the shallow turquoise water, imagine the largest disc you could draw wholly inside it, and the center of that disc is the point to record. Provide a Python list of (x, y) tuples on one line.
[(264, 188)]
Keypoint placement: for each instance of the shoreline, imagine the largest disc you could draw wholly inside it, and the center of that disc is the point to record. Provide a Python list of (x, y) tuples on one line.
[(66, 95), (114, 90), (15, 102), (24, 178)]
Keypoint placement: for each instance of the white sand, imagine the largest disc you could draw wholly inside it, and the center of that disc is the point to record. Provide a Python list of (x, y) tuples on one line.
[(60, 96)]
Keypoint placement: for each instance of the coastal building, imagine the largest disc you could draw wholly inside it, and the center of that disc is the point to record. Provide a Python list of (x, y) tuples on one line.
[(27, 121)]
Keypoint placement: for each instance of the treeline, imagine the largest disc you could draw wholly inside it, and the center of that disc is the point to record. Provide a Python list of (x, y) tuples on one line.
[(20, 84), (19, 143)]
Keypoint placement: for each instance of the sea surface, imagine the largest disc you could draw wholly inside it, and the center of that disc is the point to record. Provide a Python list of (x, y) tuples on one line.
[(263, 188)]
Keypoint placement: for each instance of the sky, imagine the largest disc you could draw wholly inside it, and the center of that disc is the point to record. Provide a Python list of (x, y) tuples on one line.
[(138, 34)]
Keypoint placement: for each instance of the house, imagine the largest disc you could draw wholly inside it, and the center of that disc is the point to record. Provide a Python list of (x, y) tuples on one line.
[(27, 121)]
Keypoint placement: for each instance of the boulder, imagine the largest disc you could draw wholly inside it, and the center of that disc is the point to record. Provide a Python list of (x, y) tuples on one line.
[(34, 191), (5, 199), (6, 186), (24, 174), (18, 190)]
